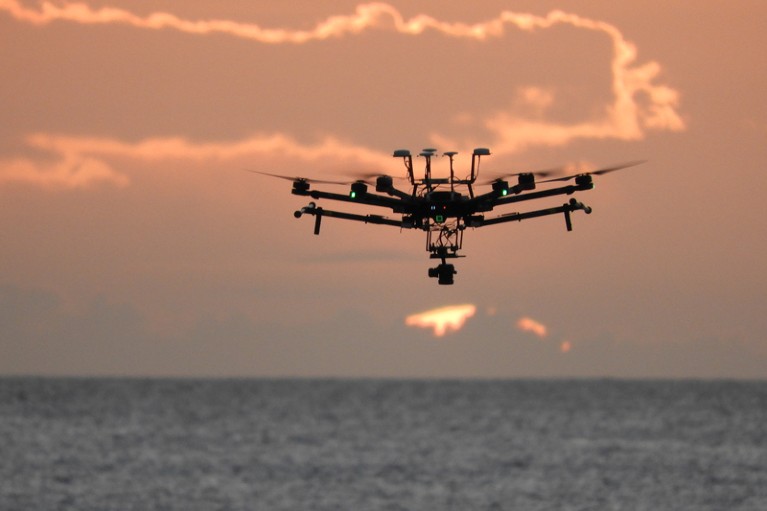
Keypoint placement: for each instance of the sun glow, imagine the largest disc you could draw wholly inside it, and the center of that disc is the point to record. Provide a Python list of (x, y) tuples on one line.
[(443, 319)]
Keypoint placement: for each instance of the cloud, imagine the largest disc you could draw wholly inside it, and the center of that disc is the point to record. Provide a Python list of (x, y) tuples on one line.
[(78, 162), (367, 16), (638, 104), (442, 320), (527, 324), (71, 170)]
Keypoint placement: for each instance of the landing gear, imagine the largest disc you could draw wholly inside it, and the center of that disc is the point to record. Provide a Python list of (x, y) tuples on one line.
[(444, 273)]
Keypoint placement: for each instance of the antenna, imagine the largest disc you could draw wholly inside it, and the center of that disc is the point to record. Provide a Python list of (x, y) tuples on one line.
[(451, 155), (475, 157), (408, 159), (427, 154)]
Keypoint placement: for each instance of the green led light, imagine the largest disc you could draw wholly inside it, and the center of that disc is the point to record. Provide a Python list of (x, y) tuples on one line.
[(439, 219), (504, 192), (353, 194)]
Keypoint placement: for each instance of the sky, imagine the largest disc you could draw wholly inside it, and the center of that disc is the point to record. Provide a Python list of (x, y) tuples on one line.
[(135, 242)]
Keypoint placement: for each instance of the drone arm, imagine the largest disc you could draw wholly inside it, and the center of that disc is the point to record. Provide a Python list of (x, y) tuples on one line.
[(501, 194), (370, 199), (566, 209), (368, 219), (562, 190), (403, 196), (318, 213)]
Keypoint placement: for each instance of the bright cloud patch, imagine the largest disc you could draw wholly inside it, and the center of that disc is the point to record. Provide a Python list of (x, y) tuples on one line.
[(443, 319), (530, 325)]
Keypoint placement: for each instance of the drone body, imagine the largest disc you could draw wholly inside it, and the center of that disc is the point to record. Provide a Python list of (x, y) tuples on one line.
[(445, 207)]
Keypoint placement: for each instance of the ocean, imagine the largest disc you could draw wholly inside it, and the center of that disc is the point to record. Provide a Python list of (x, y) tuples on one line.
[(302, 444)]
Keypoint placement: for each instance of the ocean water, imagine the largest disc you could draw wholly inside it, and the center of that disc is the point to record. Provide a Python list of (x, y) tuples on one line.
[(133, 444)]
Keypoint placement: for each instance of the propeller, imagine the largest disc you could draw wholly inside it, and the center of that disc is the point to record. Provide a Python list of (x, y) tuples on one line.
[(303, 179), (597, 172), (536, 173), (370, 175), (371, 178)]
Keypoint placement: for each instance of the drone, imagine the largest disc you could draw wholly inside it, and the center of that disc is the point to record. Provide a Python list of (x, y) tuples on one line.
[(444, 207)]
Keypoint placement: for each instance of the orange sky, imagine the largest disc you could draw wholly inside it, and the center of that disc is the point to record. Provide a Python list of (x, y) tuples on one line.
[(134, 242)]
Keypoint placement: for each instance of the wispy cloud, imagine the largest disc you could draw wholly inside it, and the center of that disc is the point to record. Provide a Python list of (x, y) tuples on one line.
[(444, 319), (638, 103), (77, 162), (537, 328), (374, 15), (70, 170)]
